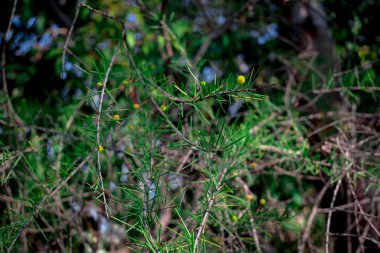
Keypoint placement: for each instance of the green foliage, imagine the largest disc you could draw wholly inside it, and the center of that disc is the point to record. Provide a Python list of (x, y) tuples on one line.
[(177, 170)]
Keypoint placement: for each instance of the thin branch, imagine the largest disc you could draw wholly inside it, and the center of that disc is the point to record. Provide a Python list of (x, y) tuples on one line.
[(40, 129), (61, 142), (350, 205), (344, 173), (9, 161), (340, 89), (69, 36), (209, 96), (362, 238), (360, 206), (220, 31), (210, 205), (314, 211), (101, 13), (330, 214), (254, 232), (353, 235), (3, 53), (182, 51), (176, 130), (279, 150), (99, 113), (184, 161), (10, 111)]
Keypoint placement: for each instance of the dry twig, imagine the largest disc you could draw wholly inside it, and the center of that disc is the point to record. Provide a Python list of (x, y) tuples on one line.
[(53, 190)]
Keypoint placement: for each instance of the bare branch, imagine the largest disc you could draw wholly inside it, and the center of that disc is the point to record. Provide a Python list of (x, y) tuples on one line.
[(69, 36)]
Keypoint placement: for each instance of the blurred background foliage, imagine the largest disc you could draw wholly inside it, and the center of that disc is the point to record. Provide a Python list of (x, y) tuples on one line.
[(317, 37), (264, 35)]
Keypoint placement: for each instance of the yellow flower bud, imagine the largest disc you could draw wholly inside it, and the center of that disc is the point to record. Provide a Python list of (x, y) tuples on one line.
[(116, 117), (262, 202), (249, 197), (136, 106), (99, 84), (240, 79), (100, 148)]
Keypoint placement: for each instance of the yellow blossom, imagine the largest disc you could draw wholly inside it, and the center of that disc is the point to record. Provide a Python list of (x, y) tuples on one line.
[(253, 165), (262, 202), (234, 218), (116, 117), (240, 79), (100, 148), (163, 107), (99, 84), (249, 197), (136, 106)]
